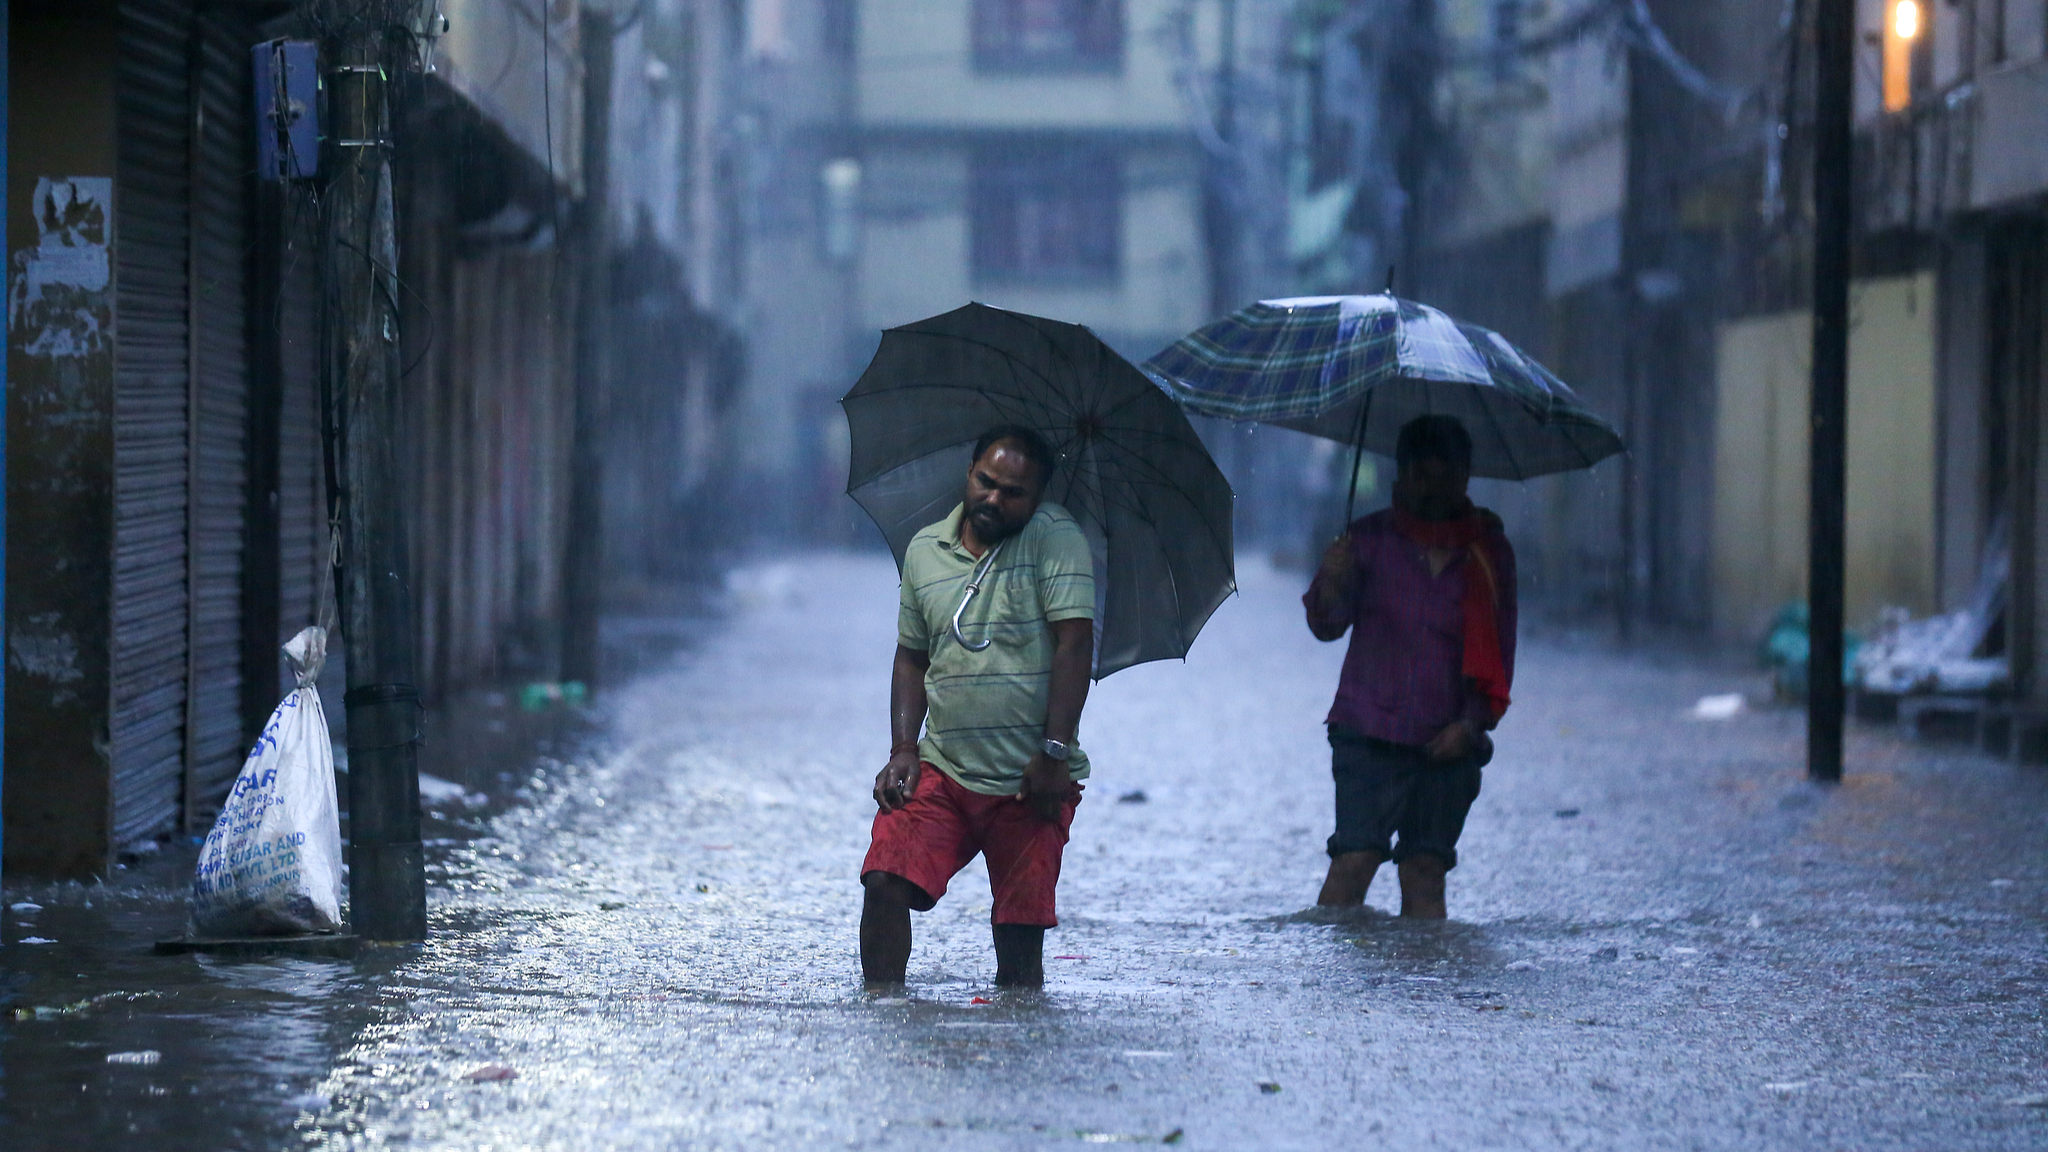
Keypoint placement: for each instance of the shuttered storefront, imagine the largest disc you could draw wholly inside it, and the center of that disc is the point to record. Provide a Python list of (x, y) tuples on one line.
[(180, 410), (301, 486), (285, 552), (224, 162)]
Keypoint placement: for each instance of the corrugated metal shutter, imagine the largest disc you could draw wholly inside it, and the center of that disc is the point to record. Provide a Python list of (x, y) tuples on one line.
[(223, 162), (286, 543), (151, 395), (175, 751), (301, 482)]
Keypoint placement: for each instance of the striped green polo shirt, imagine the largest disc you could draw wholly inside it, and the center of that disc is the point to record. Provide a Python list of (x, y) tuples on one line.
[(985, 711)]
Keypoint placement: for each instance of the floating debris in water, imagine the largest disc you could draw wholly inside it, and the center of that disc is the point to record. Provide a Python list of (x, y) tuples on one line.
[(1723, 707), (84, 1005)]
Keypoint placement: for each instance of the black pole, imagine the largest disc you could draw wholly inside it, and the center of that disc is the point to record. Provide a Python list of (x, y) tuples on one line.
[(583, 560), (1835, 47), (1223, 191), (387, 873)]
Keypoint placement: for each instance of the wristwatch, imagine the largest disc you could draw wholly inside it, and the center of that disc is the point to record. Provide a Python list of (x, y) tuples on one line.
[(1055, 750)]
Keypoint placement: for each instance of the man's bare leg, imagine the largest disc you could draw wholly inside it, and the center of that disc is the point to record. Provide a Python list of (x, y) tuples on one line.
[(1350, 875), (1020, 956), (1422, 887), (885, 926)]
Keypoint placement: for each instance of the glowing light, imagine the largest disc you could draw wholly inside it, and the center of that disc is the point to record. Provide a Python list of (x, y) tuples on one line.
[(1906, 19)]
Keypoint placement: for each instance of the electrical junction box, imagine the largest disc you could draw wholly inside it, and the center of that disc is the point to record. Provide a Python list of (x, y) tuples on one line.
[(287, 109)]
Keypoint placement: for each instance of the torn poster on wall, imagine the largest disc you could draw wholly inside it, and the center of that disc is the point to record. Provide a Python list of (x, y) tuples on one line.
[(58, 303)]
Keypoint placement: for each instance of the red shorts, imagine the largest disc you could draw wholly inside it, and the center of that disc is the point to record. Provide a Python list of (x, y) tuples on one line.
[(930, 839)]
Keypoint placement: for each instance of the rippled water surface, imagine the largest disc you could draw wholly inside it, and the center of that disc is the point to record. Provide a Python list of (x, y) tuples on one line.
[(649, 943)]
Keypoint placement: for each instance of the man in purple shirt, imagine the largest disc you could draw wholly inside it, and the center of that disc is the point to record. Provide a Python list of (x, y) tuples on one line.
[(1427, 590)]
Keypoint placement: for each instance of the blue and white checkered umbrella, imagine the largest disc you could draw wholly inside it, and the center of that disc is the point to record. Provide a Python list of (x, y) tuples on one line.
[(1356, 368)]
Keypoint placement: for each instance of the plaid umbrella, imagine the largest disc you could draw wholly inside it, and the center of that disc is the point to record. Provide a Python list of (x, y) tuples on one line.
[(1153, 505), (1356, 368)]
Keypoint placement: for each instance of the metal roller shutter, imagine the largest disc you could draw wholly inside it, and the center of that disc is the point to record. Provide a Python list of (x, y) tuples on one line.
[(151, 386), (175, 751), (223, 163), (285, 549), (302, 487)]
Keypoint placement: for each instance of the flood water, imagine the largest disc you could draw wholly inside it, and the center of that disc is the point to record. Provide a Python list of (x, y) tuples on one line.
[(1662, 937)]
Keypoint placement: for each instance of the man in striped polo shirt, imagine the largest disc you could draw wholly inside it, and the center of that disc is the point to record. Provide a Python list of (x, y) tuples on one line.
[(998, 698)]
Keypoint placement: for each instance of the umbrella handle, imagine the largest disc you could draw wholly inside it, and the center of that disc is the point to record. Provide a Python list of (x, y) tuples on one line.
[(974, 586), (1358, 442)]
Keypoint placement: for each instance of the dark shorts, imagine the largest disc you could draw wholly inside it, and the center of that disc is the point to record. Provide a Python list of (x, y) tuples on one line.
[(1386, 789)]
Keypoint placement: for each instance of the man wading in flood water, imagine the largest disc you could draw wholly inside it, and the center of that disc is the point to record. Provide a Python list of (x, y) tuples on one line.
[(997, 770), (1427, 589)]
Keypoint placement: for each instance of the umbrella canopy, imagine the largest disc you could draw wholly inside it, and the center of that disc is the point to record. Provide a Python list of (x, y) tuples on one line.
[(1153, 505), (1356, 368)]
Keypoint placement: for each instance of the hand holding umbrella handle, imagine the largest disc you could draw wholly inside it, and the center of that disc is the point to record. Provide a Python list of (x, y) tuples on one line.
[(974, 586)]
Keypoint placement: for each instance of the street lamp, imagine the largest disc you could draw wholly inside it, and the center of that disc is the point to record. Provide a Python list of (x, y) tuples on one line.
[(1900, 31), (1906, 19)]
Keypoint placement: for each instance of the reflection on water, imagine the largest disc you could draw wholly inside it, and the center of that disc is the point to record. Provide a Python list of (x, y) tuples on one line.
[(651, 943)]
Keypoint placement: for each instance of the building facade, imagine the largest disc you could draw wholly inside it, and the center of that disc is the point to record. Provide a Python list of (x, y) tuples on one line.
[(909, 157), (1624, 189), (170, 480)]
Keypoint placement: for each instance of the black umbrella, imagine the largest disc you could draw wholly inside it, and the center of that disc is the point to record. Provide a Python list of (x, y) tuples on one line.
[(1153, 505)]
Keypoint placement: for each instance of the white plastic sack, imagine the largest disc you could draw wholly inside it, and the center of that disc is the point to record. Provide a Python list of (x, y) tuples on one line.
[(272, 864)]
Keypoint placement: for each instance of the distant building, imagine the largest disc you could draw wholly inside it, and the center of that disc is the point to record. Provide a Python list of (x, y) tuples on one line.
[(1625, 189), (1029, 154)]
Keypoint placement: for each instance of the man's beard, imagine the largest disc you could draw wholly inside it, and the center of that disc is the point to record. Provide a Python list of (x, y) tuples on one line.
[(990, 527)]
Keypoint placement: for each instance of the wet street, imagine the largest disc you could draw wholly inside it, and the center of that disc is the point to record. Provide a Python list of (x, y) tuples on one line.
[(1661, 936)]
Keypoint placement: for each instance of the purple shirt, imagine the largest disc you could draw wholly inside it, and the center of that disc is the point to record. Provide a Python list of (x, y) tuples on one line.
[(1404, 676)]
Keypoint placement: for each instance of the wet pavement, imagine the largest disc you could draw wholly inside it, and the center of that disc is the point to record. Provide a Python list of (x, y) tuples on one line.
[(1662, 937)]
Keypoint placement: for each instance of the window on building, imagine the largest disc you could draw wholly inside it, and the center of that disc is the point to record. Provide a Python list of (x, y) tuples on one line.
[(841, 185), (841, 29), (1507, 40), (1331, 136), (1048, 215), (1907, 53), (1082, 35)]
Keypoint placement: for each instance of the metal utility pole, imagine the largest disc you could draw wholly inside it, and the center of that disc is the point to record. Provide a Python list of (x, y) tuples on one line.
[(1834, 36), (1223, 192), (387, 873), (583, 567)]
